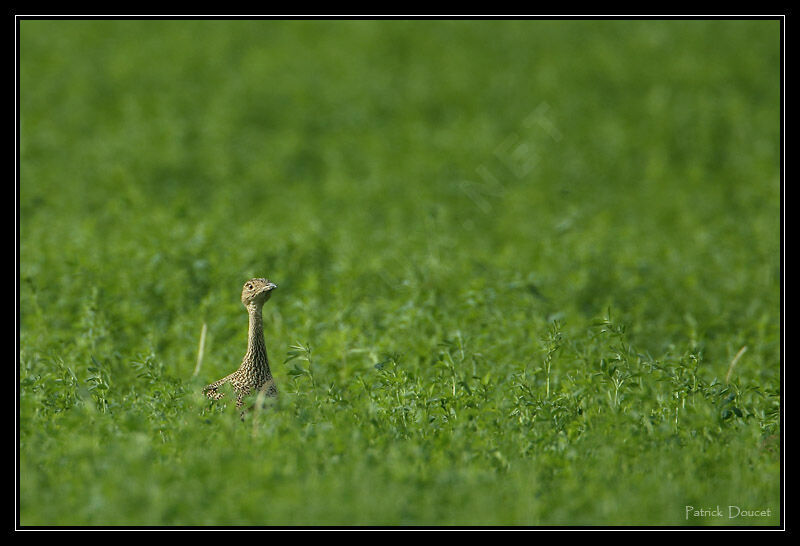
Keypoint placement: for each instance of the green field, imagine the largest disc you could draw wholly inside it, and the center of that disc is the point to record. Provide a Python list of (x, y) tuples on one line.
[(515, 259)]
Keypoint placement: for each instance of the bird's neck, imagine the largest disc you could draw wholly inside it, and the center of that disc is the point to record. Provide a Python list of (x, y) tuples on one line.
[(256, 350)]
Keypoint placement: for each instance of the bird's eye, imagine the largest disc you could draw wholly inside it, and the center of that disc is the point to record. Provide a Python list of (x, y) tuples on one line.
[(249, 286)]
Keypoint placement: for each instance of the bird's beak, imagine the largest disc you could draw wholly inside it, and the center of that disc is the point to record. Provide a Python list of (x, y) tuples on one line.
[(271, 286)]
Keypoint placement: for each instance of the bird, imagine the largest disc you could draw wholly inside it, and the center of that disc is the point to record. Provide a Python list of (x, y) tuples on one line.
[(253, 375)]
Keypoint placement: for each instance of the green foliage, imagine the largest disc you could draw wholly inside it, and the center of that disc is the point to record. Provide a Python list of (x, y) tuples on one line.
[(521, 258)]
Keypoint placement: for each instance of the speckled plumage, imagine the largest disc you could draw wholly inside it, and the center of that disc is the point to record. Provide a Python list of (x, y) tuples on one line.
[(253, 376)]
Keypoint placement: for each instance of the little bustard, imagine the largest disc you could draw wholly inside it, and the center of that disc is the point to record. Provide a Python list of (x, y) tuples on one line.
[(253, 376)]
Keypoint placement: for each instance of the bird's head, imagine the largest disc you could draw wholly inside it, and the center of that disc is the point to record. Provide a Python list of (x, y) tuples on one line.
[(257, 291)]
